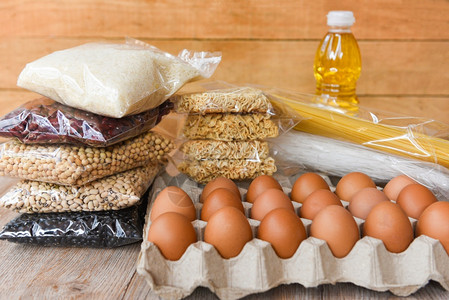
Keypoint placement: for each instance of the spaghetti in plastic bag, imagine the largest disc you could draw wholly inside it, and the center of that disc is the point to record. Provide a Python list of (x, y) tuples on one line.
[(378, 143)]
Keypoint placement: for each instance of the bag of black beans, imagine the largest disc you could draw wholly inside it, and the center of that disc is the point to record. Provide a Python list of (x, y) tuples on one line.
[(103, 229)]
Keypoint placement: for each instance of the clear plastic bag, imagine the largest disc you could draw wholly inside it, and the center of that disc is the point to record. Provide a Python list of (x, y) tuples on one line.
[(210, 149), (103, 229), (227, 112), (304, 151), (73, 165), (206, 170), (115, 80), (231, 100), (110, 193), (225, 130), (44, 121), (378, 143)]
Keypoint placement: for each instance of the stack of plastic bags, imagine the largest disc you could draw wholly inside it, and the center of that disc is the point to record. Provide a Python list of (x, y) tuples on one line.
[(86, 154), (225, 132)]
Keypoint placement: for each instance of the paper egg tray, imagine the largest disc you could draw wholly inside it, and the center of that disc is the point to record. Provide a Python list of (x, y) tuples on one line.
[(257, 268)]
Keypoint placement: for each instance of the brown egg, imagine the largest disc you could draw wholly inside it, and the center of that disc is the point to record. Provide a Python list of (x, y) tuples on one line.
[(260, 185), (316, 201), (218, 199), (172, 233), (364, 200), (173, 199), (219, 182), (352, 183), (395, 185), (434, 222), (283, 229), (389, 223), (414, 199), (269, 200), (228, 230), (337, 227), (306, 184)]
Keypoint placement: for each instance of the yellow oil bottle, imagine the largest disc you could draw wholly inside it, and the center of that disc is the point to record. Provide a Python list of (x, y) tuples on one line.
[(338, 63)]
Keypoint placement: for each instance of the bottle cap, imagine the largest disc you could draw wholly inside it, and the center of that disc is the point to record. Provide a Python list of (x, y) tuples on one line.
[(340, 18)]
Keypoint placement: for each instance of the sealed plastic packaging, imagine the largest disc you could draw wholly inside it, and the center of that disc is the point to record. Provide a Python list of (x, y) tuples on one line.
[(413, 137), (300, 150), (102, 229), (210, 149), (228, 112), (232, 100), (110, 193), (257, 268), (43, 121), (225, 130), (206, 170), (230, 127), (73, 165), (379, 143), (115, 80)]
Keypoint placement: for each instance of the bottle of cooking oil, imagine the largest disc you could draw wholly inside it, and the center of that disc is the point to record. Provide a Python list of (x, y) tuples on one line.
[(338, 63)]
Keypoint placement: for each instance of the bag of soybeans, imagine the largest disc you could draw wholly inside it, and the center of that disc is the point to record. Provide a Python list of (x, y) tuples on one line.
[(77, 165), (115, 80)]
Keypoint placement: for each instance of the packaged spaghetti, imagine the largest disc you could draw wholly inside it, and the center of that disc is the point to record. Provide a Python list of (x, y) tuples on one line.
[(115, 80), (110, 193), (73, 165), (43, 121), (101, 229)]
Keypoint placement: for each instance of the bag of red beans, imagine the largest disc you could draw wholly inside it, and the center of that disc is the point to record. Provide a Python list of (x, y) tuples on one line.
[(44, 121)]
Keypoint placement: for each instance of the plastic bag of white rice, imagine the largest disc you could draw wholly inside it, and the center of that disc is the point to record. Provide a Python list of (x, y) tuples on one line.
[(115, 80)]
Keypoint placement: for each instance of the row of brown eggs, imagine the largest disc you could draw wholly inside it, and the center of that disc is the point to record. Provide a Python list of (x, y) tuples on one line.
[(228, 229)]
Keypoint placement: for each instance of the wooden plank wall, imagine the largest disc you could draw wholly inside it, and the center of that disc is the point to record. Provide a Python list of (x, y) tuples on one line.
[(404, 43)]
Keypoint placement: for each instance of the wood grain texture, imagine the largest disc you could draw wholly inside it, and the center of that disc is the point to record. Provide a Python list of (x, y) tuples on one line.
[(218, 19), (435, 108), (405, 53), (389, 68)]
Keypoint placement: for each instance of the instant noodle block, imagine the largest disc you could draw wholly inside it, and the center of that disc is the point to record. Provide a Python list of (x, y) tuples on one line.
[(234, 100), (211, 149), (204, 171), (72, 165), (230, 127), (110, 193), (257, 268)]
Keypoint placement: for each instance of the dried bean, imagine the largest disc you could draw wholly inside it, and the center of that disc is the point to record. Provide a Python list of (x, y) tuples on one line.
[(43, 121), (69, 165), (114, 192), (103, 229)]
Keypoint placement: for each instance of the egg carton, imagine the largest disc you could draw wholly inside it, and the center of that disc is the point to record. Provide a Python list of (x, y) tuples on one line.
[(257, 268)]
